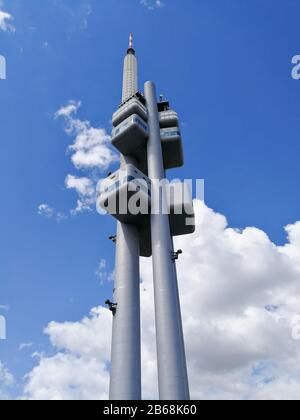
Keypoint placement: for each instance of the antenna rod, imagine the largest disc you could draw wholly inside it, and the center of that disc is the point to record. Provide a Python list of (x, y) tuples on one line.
[(131, 40)]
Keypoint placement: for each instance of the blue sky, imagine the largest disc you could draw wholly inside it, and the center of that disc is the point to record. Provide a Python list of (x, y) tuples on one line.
[(225, 66)]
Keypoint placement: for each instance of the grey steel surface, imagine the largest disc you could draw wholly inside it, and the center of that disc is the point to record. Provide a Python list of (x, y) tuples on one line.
[(130, 79), (168, 119), (125, 381), (132, 106), (124, 188), (130, 137), (172, 372)]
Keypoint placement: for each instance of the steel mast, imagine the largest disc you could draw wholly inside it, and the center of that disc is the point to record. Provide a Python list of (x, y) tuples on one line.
[(172, 371)]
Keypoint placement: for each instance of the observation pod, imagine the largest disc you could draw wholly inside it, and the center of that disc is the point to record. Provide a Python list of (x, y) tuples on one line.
[(130, 137), (168, 118), (172, 149), (118, 190), (182, 213), (170, 136), (126, 195), (134, 105)]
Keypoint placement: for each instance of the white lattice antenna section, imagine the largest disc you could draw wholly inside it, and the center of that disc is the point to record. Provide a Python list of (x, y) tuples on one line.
[(130, 74)]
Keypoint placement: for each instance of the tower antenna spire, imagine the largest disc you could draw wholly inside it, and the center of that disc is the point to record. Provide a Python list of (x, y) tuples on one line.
[(131, 40)]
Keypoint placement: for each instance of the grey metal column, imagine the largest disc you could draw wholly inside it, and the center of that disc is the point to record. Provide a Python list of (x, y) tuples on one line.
[(172, 372), (125, 381)]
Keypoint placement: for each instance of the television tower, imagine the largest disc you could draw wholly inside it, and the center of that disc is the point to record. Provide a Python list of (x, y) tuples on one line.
[(147, 134)]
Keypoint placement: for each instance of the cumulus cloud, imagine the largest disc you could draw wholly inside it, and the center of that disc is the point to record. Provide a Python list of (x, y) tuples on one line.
[(5, 20), (91, 148), (6, 378), (79, 369), (240, 307), (86, 189), (6, 382), (91, 151), (82, 206), (83, 186), (68, 110)]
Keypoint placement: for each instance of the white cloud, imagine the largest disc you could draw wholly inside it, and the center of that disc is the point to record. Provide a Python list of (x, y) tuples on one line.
[(46, 211), (152, 4), (86, 189), (91, 151), (240, 305), (6, 382), (82, 206), (6, 378), (91, 148), (5, 21), (79, 369), (83, 186), (68, 110)]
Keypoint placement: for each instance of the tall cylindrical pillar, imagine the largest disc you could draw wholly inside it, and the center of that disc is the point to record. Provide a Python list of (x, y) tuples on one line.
[(125, 381), (172, 371)]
